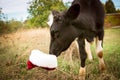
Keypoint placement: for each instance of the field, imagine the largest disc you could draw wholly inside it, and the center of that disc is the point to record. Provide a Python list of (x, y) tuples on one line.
[(15, 50)]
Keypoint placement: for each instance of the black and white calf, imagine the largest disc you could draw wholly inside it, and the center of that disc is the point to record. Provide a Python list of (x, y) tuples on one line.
[(83, 20)]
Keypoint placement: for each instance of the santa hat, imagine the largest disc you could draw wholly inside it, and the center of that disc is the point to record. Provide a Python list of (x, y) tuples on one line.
[(40, 59)]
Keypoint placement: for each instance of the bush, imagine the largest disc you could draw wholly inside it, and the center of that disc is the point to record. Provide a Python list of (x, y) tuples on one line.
[(9, 26), (3, 26), (14, 25), (112, 20)]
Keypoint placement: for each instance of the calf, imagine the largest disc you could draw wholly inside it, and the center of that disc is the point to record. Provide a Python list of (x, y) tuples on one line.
[(83, 20)]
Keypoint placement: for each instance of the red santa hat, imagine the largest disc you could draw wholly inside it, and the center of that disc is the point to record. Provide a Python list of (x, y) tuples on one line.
[(40, 59)]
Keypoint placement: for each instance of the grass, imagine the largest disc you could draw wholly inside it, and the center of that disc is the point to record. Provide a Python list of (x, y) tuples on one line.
[(15, 49)]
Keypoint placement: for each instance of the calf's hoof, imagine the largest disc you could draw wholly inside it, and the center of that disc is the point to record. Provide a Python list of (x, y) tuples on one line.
[(102, 67), (101, 64), (82, 73)]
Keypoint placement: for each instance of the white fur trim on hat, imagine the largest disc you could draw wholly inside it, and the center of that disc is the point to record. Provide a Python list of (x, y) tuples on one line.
[(41, 59)]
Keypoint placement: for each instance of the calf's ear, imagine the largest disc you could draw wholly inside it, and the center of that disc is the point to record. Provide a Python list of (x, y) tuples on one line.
[(73, 11)]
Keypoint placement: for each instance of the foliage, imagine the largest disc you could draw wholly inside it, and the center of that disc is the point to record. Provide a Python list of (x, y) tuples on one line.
[(14, 25), (8, 26), (3, 24), (112, 20), (109, 6), (39, 10), (118, 10), (2, 15), (27, 25)]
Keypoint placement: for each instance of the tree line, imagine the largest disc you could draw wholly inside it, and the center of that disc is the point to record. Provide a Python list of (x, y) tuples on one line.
[(7, 26), (38, 14)]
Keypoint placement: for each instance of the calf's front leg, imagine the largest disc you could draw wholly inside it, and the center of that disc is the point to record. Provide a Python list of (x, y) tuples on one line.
[(83, 56)]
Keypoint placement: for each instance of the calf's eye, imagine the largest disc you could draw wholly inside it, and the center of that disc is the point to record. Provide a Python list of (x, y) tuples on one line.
[(58, 19), (55, 34)]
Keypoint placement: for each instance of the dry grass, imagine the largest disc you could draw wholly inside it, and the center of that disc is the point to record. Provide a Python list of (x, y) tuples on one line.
[(15, 49)]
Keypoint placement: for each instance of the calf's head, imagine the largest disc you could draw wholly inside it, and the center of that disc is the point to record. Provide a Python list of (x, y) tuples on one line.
[(61, 29)]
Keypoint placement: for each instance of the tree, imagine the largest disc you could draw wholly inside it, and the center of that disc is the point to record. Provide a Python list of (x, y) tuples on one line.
[(109, 6), (118, 10), (40, 9), (2, 21)]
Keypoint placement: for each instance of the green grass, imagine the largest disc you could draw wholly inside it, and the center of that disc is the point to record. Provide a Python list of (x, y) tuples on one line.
[(15, 49), (112, 52)]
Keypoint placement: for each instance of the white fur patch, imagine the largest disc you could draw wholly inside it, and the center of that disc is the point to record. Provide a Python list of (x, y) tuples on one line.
[(41, 59), (82, 73), (99, 46), (88, 50), (50, 19), (77, 44)]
